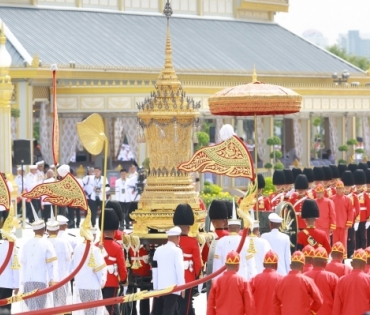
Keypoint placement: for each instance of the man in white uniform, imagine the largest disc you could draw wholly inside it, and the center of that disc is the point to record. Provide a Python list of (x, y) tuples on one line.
[(9, 279), (31, 182), (279, 242), (72, 211), (63, 224), (131, 182), (64, 253), (168, 270), (261, 245), (39, 264), (123, 198), (226, 244), (40, 172)]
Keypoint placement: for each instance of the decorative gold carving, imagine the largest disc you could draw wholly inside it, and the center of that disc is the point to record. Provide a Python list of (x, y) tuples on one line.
[(92, 103), (4, 193), (67, 103), (119, 102), (85, 229), (19, 297)]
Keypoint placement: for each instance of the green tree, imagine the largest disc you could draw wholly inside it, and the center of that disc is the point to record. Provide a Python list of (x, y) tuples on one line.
[(360, 62)]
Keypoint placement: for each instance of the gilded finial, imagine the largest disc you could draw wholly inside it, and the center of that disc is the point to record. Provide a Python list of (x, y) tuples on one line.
[(254, 74), (35, 61), (168, 11)]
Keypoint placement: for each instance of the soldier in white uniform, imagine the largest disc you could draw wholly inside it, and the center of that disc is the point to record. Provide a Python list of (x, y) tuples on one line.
[(90, 279), (123, 198), (231, 242), (39, 264), (9, 279), (261, 245), (63, 224), (40, 171), (20, 180), (279, 242), (131, 182), (72, 211), (45, 205), (32, 181), (64, 252), (168, 270), (96, 196)]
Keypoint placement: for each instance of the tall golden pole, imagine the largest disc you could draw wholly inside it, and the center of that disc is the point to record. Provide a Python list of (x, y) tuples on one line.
[(104, 189), (256, 159)]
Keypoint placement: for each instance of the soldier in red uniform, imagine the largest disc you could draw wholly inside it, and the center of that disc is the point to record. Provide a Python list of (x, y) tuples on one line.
[(289, 183), (296, 293), (309, 253), (311, 235), (300, 195), (278, 179), (344, 214), (184, 219), (352, 295), (263, 285), (327, 182), (310, 178), (367, 193), (263, 202), (296, 171), (364, 206), (326, 281), (327, 220), (319, 175), (352, 167), (334, 170), (115, 259), (349, 182), (336, 265), (230, 292)]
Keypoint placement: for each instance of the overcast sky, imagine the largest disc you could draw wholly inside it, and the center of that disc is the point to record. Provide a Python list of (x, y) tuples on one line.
[(331, 17)]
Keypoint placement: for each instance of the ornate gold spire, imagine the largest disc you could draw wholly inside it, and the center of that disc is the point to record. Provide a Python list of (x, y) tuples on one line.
[(254, 75), (2, 34)]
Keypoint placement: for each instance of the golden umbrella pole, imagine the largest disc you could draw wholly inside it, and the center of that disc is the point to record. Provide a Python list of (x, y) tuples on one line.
[(256, 159), (93, 138)]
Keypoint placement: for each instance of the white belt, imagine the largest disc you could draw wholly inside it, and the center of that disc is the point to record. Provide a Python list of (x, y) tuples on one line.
[(363, 208), (112, 269), (188, 264), (112, 258), (188, 255), (144, 258)]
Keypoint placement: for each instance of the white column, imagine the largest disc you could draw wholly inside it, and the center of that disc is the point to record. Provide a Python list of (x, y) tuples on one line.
[(25, 121)]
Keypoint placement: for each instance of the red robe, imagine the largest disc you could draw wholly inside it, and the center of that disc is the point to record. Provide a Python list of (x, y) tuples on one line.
[(296, 294), (352, 296), (367, 269), (307, 267), (230, 293), (355, 205), (364, 206), (327, 219), (116, 257), (264, 204), (326, 282), (338, 268), (297, 202), (263, 287), (318, 235), (192, 260)]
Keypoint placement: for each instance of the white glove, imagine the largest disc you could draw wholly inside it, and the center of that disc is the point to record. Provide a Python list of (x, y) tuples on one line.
[(356, 226), (367, 225), (290, 192)]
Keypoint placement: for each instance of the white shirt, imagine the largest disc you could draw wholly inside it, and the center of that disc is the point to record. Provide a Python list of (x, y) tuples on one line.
[(121, 191), (18, 180), (98, 184), (132, 194), (39, 261), (10, 187), (280, 244), (64, 251), (10, 277), (262, 247), (88, 185), (72, 240), (247, 267), (170, 267), (31, 181), (89, 278), (40, 177)]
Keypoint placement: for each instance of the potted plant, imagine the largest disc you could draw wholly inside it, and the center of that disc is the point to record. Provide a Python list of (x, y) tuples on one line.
[(274, 141)]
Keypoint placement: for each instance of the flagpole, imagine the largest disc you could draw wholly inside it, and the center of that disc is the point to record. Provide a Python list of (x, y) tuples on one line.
[(104, 190), (55, 133)]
